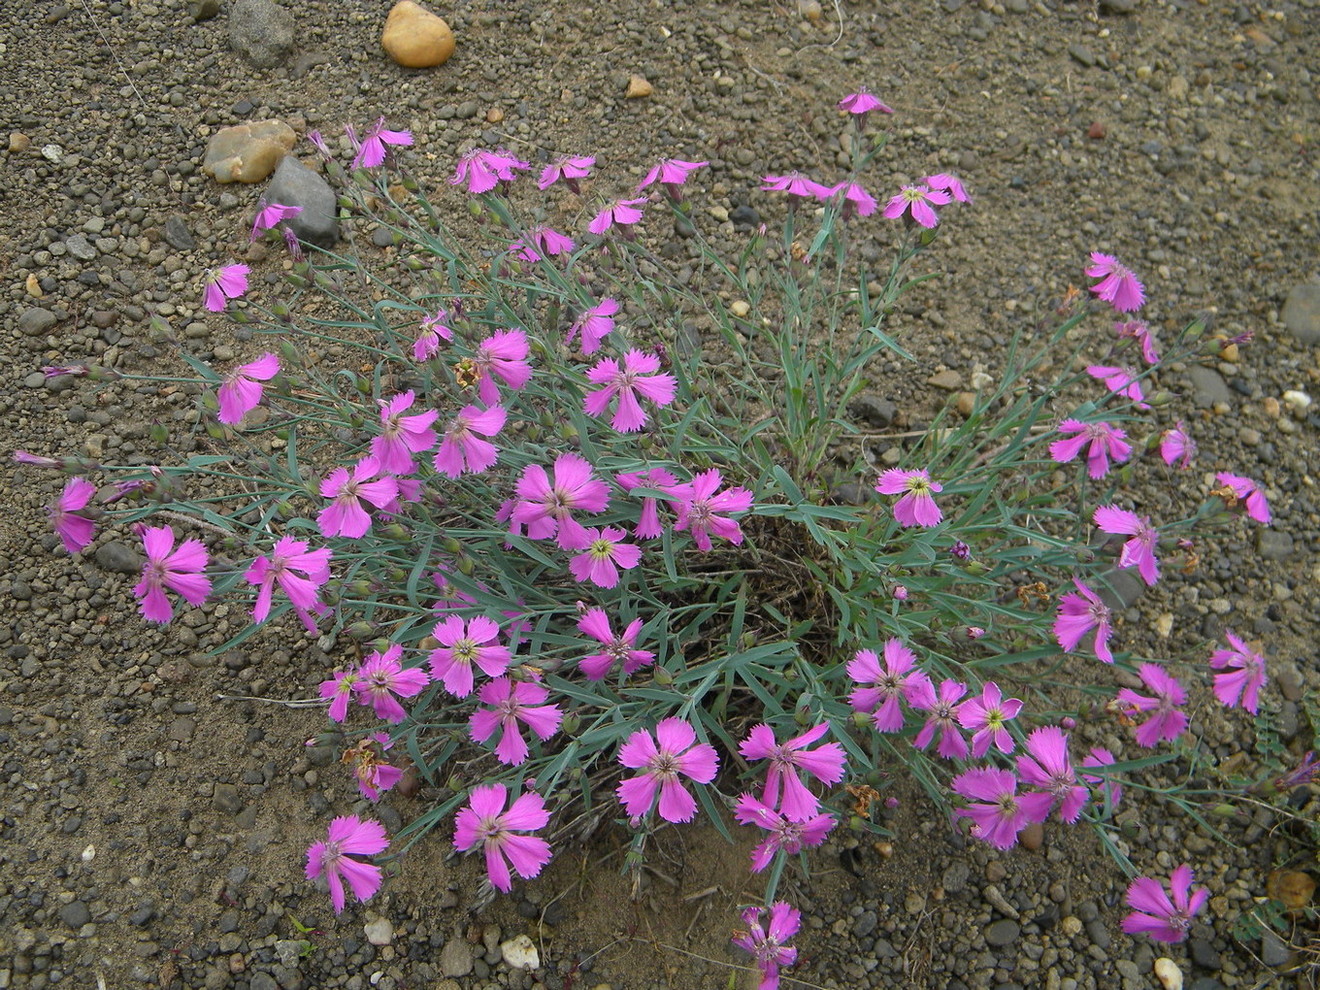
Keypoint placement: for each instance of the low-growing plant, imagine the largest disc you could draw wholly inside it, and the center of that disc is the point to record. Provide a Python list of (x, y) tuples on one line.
[(596, 539)]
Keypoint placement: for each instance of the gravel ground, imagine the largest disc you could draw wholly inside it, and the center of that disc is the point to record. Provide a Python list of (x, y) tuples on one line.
[(152, 834)]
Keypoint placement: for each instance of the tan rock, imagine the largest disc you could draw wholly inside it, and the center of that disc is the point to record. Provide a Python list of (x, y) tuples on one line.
[(416, 38), (33, 287), (247, 152), (638, 88), (1292, 888), (19, 142), (1168, 973)]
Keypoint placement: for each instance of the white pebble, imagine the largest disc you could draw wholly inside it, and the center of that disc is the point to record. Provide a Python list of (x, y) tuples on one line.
[(1168, 973), (1297, 400)]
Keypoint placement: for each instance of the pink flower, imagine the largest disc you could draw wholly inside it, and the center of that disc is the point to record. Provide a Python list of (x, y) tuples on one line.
[(1117, 285), (999, 817), (545, 509), (621, 211), (648, 520), (503, 354), (484, 820), (796, 184), (784, 834), (1046, 765), (483, 169), (767, 944), (512, 702), (338, 690), (568, 168), (460, 451), (698, 502), (1102, 441), (1139, 330), (371, 152), (345, 516), (618, 649), (861, 103), (26, 457), (1078, 615), (1137, 552), (374, 775), (541, 241), (987, 717), (670, 172), (855, 199), (593, 324), (944, 182), (402, 436), (943, 717), (1167, 723), (76, 531), (672, 752), (1111, 790), (1120, 381), (901, 678), (463, 644), (1157, 916), (825, 763), (179, 570), (241, 391), (268, 216), (917, 202), (1177, 447), (917, 506), (227, 283), (288, 557), (602, 556), (1244, 677), (348, 836), (1248, 492), (382, 676), (638, 376)]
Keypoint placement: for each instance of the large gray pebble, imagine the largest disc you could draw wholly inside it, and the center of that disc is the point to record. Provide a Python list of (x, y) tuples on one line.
[(119, 557), (295, 184), (261, 31), (36, 321), (1301, 313)]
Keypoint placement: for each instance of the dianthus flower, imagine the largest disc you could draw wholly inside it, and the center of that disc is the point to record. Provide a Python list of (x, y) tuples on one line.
[(382, 677), (825, 763), (241, 390), (402, 436), (74, 530), (638, 376), (1046, 765), (348, 836), (999, 816), (900, 678), (568, 169), (541, 241), (1177, 446), (485, 821), (298, 571), (502, 354), (268, 216), (767, 944), (460, 451), (373, 773), (1157, 916), (622, 211), (618, 649), (670, 172), (338, 690), (860, 103), (372, 150), (1139, 330), (796, 184), (345, 516), (1244, 674), (987, 717), (1117, 286), (224, 284), (1101, 440), (784, 833), (545, 509), (674, 750), (856, 200), (1110, 790), (1248, 492), (917, 506), (918, 203), (1078, 615), (483, 170), (512, 702), (1120, 381), (593, 324), (697, 503), (463, 644), (942, 707), (1139, 551), (1166, 723), (179, 570), (602, 556), (946, 183)]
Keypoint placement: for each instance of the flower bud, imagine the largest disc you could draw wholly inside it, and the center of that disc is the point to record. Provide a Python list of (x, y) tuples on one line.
[(159, 433), (860, 719), (663, 676), (451, 545), (570, 724), (396, 531), (380, 644), (567, 431), (1161, 398), (466, 566), (215, 431), (1224, 810), (361, 631), (361, 588)]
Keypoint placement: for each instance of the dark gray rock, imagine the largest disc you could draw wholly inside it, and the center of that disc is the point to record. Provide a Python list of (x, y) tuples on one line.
[(36, 321), (1081, 54), (261, 31), (1273, 950), (873, 410), (75, 914), (294, 184), (1274, 544), (1301, 313), (178, 236), (1002, 932), (203, 10), (227, 798), (1204, 954), (119, 558), (1117, 6), (1208, 387), (80, 247)]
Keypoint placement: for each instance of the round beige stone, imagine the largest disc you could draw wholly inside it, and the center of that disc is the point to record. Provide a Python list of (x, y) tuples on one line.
[(416, 38)]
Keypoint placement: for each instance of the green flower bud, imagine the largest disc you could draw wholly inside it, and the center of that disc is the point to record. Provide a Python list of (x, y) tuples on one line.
[(380, 644), (215, 431), (361, 631), (570, 725), (396, 531), (360, 588), (451, 545), (159, 433), (466, 566), (663, 676)]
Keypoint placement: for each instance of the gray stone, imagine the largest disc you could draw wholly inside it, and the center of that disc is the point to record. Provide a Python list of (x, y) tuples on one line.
[(177, 235), (295, 184), (119, 558), (75, 914), (865, 923), (182, 729), (456, 958), (1080, 53), (873, 410), (1099, 934), (227, 798), (1274, 544), (1002, 932), (1208, 387), (261, 31), (36, 321), (1301, 313), (263, 981), (1273, 950), (203, 10), (955, 877), (80, 248), (1118, 6)]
